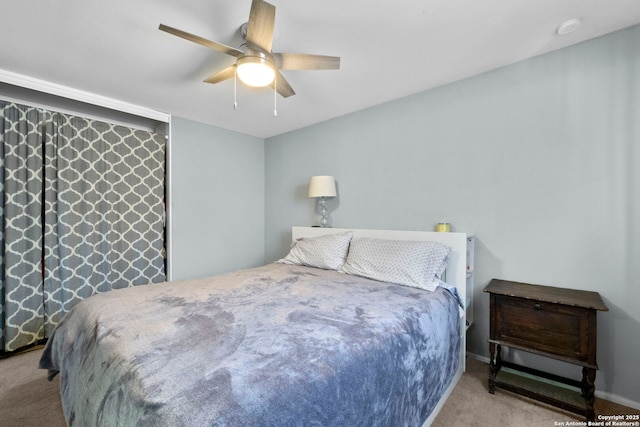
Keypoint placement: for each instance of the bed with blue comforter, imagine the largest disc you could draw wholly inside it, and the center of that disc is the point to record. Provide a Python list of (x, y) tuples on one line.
[(277, 345)]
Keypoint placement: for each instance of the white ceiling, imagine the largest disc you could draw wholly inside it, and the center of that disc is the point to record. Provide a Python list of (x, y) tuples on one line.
[(388, 50)]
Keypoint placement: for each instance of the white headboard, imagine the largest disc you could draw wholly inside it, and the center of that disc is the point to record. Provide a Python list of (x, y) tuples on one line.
[(456, 269)]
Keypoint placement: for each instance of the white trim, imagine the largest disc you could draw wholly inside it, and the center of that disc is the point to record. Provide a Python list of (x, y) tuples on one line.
[(149, 125), (612, 397), (80, 95), (482, 359), (168, 185)]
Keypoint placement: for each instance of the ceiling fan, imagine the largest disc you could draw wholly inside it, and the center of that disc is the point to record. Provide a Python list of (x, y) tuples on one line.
[(257, 65)]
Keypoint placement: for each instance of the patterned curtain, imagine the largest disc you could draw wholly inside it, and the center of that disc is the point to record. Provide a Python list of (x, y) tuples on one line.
[(104, 224), (102, 203), (21, 311)]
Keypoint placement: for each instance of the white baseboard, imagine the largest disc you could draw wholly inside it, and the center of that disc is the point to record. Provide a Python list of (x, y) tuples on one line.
[(482, 359), (611, 397)]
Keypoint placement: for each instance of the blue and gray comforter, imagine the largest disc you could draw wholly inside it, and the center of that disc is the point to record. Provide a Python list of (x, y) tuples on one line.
[(277, 345)]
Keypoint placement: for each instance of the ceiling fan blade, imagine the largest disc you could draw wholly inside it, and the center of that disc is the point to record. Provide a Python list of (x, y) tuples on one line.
[(201, 41), (261, 22), (221, 75), (303, 61), (282, 86)]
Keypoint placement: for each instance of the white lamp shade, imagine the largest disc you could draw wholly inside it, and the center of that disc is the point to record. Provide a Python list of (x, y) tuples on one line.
[(255, 71), (322, 186)]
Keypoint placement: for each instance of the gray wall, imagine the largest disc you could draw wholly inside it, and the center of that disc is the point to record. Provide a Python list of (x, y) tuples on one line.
[(217, 200), (538, 160)]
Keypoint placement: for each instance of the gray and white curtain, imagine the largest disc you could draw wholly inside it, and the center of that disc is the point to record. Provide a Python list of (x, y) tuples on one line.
[(82, 213)]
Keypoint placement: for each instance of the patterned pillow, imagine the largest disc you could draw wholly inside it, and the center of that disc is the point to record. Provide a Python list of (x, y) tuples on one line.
[(409, 263), (326, 252)]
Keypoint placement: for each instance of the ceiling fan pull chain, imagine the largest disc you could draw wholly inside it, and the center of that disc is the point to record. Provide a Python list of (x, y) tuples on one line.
[(275, 98), (235, 89)]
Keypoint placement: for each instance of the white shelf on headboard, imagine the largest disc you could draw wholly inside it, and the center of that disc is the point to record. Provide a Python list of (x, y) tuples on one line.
[(471, 242)]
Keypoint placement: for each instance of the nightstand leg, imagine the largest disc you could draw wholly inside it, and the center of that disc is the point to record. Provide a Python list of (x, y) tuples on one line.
[(494, 367), (588, 391)]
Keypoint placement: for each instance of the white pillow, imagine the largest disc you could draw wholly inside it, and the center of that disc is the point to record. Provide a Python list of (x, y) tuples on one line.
[(326, 252), (410, 263)]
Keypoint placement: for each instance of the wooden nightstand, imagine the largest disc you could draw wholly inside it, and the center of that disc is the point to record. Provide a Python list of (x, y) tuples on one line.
[(548, 321)]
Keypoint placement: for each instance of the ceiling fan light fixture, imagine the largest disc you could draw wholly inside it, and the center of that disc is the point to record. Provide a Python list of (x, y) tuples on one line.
[(257, 65), (256, 71)]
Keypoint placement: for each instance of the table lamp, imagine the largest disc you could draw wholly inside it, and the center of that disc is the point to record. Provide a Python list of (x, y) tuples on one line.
[(322, 187)]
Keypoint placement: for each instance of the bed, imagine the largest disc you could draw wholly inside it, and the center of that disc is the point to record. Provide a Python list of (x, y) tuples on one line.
[(288, 343)]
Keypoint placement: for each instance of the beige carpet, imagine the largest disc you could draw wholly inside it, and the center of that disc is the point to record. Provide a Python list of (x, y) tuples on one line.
[(471, 405), (28, 399)]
